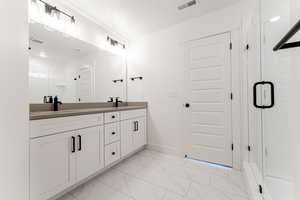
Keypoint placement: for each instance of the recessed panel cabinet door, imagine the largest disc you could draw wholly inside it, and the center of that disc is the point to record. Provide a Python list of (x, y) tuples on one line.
[(139, 135), (90, 151), (127, 131), (133, 135), (49, 165)]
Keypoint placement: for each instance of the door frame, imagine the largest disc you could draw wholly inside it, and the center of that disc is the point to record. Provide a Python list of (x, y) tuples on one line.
[(236, 88)]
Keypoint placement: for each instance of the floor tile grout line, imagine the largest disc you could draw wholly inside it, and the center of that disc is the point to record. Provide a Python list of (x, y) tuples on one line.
[(212, 173), (151, 183), (188, 190), (72, 195), (130, 195)]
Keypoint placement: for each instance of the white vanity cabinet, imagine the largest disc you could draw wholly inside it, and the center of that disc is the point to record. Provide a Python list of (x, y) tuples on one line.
[(62, 154), (67, 150), (49, 165), (133, 131), (112, 138), (89, 152)]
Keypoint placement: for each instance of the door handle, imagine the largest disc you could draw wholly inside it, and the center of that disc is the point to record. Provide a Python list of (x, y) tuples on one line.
[(137, 126), (79, 143), (73, 144), (187, 105), (272, 94)]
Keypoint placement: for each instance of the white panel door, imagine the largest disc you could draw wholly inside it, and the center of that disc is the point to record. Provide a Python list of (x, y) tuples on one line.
[(49, 165), (85, 85), (208, 79), (90, 151)]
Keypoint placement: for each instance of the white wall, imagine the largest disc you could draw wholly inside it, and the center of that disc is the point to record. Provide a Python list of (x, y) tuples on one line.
[(295, 99), (13, 99), (159, 58)]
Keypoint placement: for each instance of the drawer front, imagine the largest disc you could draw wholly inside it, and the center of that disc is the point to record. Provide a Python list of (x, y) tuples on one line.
[(112, 153), (39, 128), (112, 133), (111, 117), (130, 114)]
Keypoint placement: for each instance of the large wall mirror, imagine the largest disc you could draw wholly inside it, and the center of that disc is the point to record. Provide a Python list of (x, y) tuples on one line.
[(73, 70)]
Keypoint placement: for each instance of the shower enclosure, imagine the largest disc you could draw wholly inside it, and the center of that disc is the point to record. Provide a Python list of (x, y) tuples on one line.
[(268, 101)]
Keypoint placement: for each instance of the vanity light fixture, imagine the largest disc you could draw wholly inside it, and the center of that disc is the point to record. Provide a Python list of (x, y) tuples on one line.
[(187, 5), (54, 11)]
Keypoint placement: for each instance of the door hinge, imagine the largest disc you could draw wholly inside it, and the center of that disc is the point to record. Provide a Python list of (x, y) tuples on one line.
[(230, 46), (231, 96), (79, 99), (249, 148), (260, 189), (232, 146)]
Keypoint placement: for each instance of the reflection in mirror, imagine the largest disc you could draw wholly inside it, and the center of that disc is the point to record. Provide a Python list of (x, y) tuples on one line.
[(75, 71)]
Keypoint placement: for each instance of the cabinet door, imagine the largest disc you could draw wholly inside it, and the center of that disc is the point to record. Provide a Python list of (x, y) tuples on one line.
[(127, 131), (90, 148), (49, 165), (139, 135)]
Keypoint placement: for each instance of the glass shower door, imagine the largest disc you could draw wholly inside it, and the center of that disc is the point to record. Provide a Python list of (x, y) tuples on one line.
[(275, 67)]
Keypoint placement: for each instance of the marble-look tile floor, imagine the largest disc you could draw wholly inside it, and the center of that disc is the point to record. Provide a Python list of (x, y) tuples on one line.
[(150, 175)]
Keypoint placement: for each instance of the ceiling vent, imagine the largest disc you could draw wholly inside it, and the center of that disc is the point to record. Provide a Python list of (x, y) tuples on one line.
[(187, 4), (36, 40)]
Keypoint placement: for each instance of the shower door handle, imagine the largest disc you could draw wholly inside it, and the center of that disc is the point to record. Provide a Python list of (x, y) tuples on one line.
[(272, 88)]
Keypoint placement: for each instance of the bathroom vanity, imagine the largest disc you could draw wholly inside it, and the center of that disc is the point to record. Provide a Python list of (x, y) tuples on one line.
[(75, 134), (70, 146)]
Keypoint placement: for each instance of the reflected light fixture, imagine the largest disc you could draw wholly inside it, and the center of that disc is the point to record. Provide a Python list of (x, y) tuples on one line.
[(54, 11), (114, 43)]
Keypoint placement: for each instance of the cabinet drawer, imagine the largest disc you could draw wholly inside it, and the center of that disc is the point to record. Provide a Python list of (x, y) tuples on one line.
[(111, 117), (130, 114), (46, 127), (112, 133), (112, 153)]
